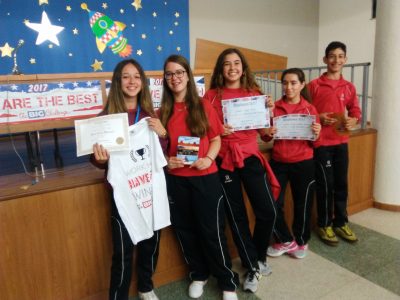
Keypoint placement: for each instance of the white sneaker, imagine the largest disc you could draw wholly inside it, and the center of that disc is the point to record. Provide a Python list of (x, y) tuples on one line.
[(227, 295), (196, 289), (264, 268), (148, 296), (250, 284)]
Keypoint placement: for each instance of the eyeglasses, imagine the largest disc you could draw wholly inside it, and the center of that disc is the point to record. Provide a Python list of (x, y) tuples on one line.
[(177, 74)]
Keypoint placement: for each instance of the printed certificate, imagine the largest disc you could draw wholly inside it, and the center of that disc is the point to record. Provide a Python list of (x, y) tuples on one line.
[(246, 113), (294, 127), (111, 131)]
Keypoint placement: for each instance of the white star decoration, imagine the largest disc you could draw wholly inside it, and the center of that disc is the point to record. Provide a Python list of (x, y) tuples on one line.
[(47, 31)]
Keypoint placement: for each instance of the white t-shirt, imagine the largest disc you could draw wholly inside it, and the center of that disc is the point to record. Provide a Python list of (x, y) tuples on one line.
[(138, 182)]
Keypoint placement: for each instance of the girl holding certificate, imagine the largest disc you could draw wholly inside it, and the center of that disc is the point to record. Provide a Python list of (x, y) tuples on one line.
[(292, 160), (240, 161), (129, 93), (196, 205)]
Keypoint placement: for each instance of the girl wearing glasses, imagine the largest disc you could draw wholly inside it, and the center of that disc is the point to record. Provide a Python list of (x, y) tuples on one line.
[(196, 204), (129, 93), (240, 161)]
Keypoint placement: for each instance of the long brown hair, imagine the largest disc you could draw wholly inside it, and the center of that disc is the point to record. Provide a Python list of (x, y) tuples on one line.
[(196, 120), (302, 78), (115, 100), (247, 81)]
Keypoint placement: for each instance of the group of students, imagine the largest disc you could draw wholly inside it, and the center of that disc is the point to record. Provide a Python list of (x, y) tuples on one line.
[(200, 195)]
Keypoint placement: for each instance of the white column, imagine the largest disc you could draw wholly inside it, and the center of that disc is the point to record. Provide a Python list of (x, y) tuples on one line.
[(386, 102)]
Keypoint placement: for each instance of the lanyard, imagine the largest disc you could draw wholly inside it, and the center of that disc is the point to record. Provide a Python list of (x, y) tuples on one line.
[(137, 114)]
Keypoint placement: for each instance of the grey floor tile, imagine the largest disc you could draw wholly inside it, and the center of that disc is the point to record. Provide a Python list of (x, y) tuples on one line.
[(387, 276), (367, 257), (383, 221), (179, 291)]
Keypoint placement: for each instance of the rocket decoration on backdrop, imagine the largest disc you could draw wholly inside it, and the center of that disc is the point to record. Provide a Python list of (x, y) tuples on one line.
[(108, 33)]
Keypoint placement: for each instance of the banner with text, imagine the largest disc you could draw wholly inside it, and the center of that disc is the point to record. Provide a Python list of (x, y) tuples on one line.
[(21, 103)]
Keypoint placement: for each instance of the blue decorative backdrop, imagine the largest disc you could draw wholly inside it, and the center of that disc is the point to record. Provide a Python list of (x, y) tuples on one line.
[(154, 30)]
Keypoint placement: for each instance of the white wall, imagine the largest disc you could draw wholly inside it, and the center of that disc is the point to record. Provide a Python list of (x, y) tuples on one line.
[(350, 22), (298, 29), (283, 27)]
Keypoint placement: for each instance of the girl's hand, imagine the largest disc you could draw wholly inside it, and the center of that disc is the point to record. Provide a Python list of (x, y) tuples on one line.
[(101, 154), (316, 128), (228, 129), (271, 131), (157, 127), (350, 123), (202, 163), (269, 103), (326, 119), (175, 162)]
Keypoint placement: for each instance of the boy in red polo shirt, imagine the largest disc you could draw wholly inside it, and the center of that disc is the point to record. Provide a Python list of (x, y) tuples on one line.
[(333, 96)]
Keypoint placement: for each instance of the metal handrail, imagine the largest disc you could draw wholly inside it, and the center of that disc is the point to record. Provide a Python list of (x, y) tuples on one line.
[(268, 79)]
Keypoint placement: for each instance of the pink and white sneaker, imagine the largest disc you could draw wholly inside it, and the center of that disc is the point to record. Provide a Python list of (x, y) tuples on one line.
[(278, 249), (300, 252)]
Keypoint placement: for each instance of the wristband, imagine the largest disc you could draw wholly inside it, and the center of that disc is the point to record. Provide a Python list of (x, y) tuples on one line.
[(210, 157)]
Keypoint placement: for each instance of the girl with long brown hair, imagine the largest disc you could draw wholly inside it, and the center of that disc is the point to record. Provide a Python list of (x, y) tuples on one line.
[(129, 93), (196, 201), (240, 161)]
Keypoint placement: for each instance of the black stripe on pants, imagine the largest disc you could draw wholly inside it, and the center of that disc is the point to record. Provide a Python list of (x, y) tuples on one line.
[(122, 259), (197, 215)]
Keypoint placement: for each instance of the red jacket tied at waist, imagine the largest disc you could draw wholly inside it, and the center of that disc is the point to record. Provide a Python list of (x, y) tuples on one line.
[(233, 153)]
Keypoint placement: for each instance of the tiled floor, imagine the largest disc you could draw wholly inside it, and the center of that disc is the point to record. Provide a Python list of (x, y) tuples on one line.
[(369, 269)]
